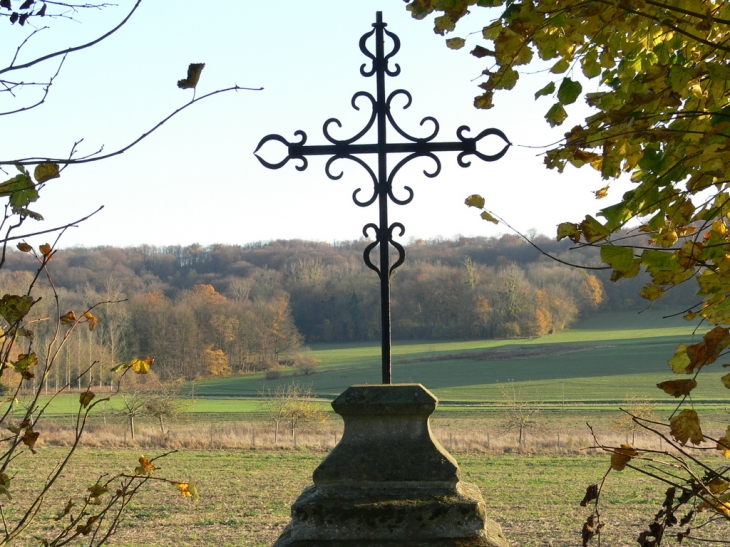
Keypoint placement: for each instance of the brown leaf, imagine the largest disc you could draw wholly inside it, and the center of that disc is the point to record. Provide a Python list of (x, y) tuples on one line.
[(46, 250), (685, 426), (66, 510), (68, 318), (30, 438), (589, 529), (24, 247), (86, 528), (97, 490), (678, 388), (194, 70), (622, 456), (591, 494), (91, 320)]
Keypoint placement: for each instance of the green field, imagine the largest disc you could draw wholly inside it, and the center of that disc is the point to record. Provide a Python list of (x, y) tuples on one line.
[(603, 360)]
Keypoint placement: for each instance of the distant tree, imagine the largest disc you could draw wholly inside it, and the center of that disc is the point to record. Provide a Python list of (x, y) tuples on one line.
[(164, 404), (520, 415), (640, 408)]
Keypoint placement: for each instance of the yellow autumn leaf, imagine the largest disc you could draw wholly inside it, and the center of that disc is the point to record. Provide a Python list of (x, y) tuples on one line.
[(146, 467), (5, 486), (141, 366), (46, 250), (184, 489), (723, 445), (46, 171), (455, 43), (91, 320), (86, 397), (602, 193), (188, 490), (622, 456), (677, 388), (721, 505), (475, 200), (685, 426), (193, 488), (488, 217), (717, 485)]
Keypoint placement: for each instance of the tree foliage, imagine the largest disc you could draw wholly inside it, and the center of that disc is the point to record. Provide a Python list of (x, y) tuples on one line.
[(661, 115), (34, 339)]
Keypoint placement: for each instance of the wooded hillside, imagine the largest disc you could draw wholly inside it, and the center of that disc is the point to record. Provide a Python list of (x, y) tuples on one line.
[(224, 309)]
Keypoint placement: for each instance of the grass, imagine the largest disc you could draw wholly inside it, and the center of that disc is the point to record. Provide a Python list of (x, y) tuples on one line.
[(605, 359), (246, 496)]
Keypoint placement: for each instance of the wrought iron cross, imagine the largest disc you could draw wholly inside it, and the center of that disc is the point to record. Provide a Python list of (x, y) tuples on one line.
[(381, 117)]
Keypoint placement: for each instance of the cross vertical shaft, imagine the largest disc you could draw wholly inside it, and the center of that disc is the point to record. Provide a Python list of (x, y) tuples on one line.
[(383, 233), (413, 147)]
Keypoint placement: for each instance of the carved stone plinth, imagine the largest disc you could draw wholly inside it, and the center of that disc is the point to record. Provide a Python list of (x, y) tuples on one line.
[(389, 483)]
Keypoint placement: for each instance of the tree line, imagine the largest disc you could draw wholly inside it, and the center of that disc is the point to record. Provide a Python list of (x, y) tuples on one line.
[(222, 309)]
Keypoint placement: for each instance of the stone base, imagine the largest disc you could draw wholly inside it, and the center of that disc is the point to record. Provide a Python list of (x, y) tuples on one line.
[(389, 483), (410, 517)]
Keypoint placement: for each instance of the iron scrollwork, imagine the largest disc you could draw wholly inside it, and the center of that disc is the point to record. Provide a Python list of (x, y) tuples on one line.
[(351, 149)]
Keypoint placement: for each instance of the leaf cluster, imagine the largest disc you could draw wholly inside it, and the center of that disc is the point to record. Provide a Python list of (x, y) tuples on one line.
[(661, 115)]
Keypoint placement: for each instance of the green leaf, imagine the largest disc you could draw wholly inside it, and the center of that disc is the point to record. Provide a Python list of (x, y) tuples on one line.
[(569, 91), (681, 361), (25, 361), (13, 307), (660, 260), (561, 66), (570, 230), (619, 258), (616, 215), (590, 65), (556, 115), (121, 367), (651, 292), (718, 71), (21, 191), (593, 230), (547, 90), (443, 24), (506, 80)]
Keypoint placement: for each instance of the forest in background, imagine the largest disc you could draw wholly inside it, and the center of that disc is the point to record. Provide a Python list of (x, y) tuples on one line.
[(229, 309)]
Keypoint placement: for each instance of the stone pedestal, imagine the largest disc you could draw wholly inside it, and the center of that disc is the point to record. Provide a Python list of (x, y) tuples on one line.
[(388, 482)]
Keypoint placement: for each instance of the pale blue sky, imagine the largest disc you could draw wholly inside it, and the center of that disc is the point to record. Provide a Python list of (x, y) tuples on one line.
[(196, 179)]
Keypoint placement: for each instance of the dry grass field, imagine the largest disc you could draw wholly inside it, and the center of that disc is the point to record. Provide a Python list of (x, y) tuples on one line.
[(247, 483)]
